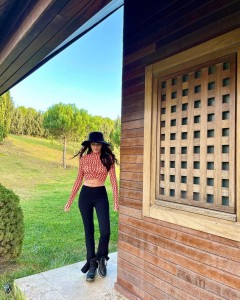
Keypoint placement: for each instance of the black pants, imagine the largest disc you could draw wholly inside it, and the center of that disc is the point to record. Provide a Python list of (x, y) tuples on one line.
[(89, 198)]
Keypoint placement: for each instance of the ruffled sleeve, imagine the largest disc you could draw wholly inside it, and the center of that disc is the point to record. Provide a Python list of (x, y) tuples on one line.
[(113, 180), (77, 184)]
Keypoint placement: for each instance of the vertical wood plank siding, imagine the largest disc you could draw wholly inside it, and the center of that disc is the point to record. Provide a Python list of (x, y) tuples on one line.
[(159, 260)]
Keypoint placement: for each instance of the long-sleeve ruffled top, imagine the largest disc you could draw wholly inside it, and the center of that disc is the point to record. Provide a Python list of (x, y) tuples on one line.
[(91, 167)]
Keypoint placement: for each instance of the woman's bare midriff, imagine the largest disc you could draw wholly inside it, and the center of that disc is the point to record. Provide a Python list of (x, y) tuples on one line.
[(93, 183)]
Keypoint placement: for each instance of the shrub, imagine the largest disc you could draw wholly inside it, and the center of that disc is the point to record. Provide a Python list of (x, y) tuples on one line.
[(11, 225)]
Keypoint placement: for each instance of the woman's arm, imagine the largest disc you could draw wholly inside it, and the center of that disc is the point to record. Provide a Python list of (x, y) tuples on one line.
[(113, 179), (76, 186)]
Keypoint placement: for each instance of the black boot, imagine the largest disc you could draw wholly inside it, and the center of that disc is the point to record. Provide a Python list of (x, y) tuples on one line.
[(92, 270), (102, 266)]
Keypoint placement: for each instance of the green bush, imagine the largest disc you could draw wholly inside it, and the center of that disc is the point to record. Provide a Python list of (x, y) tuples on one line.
[(11, 225)]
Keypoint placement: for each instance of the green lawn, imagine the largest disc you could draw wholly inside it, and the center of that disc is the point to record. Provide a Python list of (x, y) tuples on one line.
[(31, 167)]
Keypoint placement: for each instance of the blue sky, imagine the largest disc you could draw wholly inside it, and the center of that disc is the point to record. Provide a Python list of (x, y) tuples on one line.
[(88, 73)]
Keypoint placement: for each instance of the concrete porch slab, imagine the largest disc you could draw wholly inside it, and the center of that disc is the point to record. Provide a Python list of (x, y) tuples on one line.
[(69, 283)]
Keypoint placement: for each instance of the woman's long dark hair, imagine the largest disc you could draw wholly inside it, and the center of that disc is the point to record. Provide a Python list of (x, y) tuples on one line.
[(107, 156)]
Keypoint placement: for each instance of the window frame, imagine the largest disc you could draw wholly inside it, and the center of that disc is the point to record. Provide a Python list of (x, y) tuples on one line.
[(217, 224)]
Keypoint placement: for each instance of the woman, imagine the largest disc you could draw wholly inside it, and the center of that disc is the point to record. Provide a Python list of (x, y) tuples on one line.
[(96, 160)]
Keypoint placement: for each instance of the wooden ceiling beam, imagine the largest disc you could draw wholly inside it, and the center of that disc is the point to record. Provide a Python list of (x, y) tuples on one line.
[(46, 27), (28, 30)]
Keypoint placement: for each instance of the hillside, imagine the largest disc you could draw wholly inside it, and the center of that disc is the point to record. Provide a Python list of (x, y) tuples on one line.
[(27, 162)]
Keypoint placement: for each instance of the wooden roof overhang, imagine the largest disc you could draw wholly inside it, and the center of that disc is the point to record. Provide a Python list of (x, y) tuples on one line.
[(34, 31)]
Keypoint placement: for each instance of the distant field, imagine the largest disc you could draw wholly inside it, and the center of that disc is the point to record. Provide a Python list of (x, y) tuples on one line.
[(31, 167)]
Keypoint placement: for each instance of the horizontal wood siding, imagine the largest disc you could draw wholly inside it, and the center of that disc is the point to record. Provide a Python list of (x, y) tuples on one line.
[(159, 260)]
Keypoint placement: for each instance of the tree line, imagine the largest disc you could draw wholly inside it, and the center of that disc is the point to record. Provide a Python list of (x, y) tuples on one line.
[(60, 121)]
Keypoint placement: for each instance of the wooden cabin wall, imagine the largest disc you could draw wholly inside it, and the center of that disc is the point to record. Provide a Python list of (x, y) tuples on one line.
[(159, 260)]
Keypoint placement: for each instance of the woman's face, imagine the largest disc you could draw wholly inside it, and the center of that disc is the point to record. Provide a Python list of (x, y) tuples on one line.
[(96, 147)]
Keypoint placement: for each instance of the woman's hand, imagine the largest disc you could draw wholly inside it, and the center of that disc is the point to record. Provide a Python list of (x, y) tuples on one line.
[(67, 208)]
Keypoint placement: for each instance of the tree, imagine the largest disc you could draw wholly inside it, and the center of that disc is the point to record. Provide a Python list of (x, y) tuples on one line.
[(27, 121), (6, 110), (116, 133), (17, 121), (64, 121), (84, 120), (105, 125), (38, 129), (1, 132)]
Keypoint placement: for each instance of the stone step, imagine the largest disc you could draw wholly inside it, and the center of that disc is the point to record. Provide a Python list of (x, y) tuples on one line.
[(69, 283)]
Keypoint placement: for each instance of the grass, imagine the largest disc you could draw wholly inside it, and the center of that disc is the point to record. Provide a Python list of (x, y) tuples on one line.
[(31, 167)]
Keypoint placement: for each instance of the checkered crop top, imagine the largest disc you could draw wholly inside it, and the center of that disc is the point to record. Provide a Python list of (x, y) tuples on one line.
[(91, 167)]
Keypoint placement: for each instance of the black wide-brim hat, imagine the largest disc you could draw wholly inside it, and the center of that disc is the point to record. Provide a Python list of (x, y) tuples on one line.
[(95, 137)]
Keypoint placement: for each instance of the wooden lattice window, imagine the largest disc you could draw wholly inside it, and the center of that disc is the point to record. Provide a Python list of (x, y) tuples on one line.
[(196, 136), (191, 163)]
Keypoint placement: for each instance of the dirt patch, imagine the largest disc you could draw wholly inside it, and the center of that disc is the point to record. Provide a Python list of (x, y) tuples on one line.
[(7, 266)]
